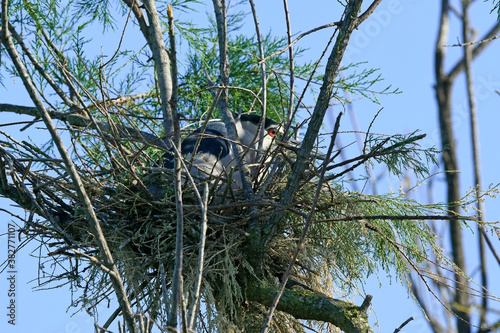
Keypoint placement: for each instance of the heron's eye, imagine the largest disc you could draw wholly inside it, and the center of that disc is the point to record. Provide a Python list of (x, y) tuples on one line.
[(272, 131)]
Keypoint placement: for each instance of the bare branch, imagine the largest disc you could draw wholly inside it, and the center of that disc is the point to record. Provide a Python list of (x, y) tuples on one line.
[(263, 74), (139, 16), (292, 65), (466, 29), (369, 11), (329, 25), (397, 330), (40, 69), (201, 258), (348, 25), (162, 65), (77, 119), (487, 40), (459, 66)]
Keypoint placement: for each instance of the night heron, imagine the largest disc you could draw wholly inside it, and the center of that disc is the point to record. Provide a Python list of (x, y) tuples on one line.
[(209, 154)]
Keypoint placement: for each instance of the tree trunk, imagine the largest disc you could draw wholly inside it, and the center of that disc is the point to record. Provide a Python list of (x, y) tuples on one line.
[(443, 95)]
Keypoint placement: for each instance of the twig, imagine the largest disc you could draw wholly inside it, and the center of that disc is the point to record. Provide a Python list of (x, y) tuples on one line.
[(263, 75), (397, 330), (201, 259), (399, 218), (459, 66), (292, 64), (40, 69), (139, 16), (304, 231), (487, 40), (79, 120), (329, 25), (121, 40)]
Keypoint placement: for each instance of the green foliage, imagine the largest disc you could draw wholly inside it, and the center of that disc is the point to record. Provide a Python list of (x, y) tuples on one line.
[(496, 8), (402, 152), (97, 11), (354, 235)]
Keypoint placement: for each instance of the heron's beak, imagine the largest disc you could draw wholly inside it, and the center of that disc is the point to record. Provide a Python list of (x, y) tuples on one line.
[(294, 145)]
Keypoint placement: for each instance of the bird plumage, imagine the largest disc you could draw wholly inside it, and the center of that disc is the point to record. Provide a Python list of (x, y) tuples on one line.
[(210, 154)]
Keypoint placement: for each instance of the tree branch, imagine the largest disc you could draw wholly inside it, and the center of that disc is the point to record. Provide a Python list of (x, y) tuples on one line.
[(369, 11), (299, 37), (459, 66), (349, 23), (309, 305), (80, 189), (76, 119), (307, 224), (162, 65)]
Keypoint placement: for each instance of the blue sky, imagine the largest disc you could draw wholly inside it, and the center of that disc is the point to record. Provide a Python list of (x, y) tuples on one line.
[(399, 40)]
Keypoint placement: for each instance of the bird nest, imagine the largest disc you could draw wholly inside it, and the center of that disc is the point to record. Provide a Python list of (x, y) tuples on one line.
[(141, 230)]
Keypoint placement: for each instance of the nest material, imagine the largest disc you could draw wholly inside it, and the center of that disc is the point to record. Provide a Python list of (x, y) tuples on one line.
[(140, 231)]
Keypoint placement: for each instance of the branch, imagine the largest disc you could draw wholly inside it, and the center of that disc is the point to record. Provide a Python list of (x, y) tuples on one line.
[(292, 65), (307, 224), (254, 227), (460, 65), (162, 65), (399, 218), (397, 330), (310, 305), (487, 40), (133, 4), (76, 119), (368, 11), (89, 211), (329, 25), (40, 69), (349, 23), (263, 75), (466, 28)]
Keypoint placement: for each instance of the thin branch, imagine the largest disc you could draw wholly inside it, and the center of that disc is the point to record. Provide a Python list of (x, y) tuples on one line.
[(40, 69), (292, 65), (329, 25), (459, 66), (263, 75), (348, 25), (487, 40), (399, 218), (307, 224), (397, 330), (139, 16), (76, 119), (368, 11), (201, 258), (254, 228), (89, 211)]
